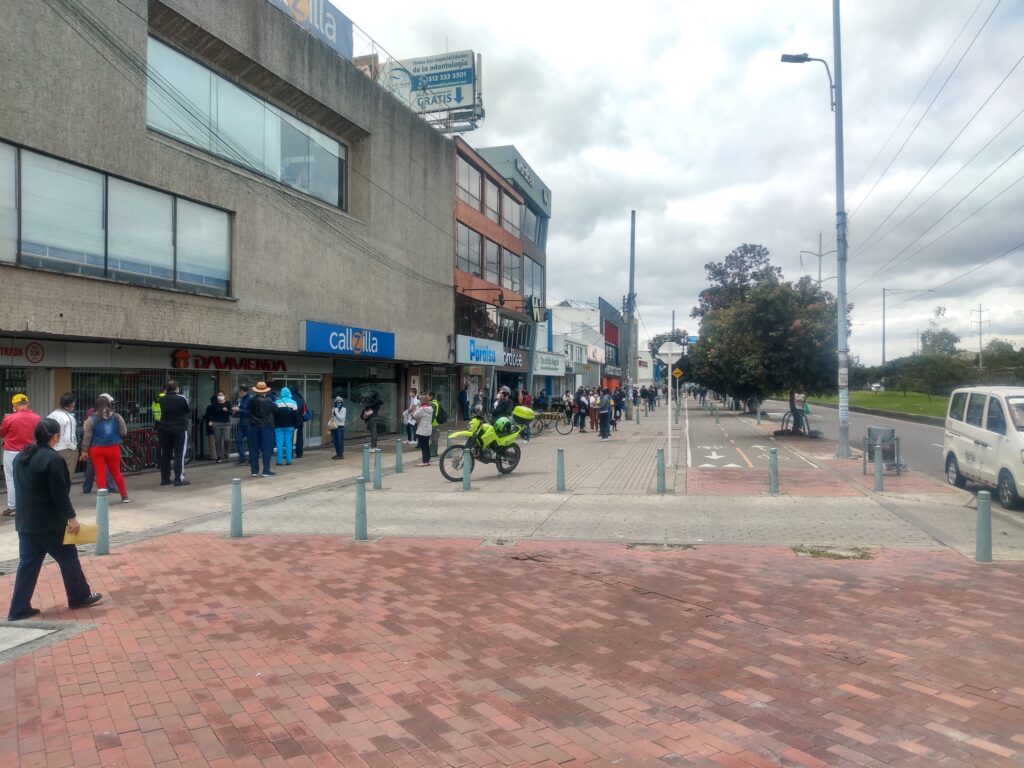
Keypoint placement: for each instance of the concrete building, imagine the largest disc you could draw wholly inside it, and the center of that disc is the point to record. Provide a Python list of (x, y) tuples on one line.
[(578, 325), (209, 190), (612, 327)]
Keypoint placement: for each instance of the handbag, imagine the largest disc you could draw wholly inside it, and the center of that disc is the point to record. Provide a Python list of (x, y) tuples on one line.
[(87, 534), (332, 423), (307, 415)]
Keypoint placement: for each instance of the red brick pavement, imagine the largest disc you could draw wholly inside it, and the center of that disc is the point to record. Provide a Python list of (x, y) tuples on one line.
[(415, 653)]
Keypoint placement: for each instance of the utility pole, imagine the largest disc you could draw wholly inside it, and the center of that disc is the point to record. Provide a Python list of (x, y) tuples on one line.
[(630, 353), (981, 322), (818, 255)]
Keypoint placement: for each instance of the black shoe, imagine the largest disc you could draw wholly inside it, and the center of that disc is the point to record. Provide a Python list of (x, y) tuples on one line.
[(165, 482), (182, 482), (31, 612), (92, 599)]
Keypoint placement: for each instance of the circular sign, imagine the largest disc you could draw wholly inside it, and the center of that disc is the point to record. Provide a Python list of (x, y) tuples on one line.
[(677, 372), (34, 352)]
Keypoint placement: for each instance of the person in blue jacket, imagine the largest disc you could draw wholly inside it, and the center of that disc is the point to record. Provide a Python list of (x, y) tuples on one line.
[(286, 418)]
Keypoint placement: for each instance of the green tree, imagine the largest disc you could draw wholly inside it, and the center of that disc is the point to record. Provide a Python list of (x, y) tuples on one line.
[(934, 373), (731, 280), (937, 340)]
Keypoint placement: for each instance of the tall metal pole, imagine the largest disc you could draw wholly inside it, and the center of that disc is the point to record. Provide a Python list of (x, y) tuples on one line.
[(843, 451), (883, 326), (820, 255), (631, 301)]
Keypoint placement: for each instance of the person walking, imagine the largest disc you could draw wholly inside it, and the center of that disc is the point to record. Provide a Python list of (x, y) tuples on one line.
[(67, 446), (90, 469), (424, 417), (218, 419), (592, 399), (44, 513), (604, 412), (339, 414), (243, 433), (435, 427), (652, 395), (175, 413), (646, 400), (261, 412), (17, 432), (581, 405), (464, 402), (286, 416), (102, 435), (300, 423)]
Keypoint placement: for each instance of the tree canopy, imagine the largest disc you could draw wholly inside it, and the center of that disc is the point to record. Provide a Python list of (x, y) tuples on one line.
[(731, 280)]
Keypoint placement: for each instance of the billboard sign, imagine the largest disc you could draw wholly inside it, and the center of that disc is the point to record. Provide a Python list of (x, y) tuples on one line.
[(433, 83), (548, 363), (328, 338), (470, 350), (322, 20)]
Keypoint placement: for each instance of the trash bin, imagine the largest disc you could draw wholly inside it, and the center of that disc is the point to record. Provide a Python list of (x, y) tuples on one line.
[(885, 437)]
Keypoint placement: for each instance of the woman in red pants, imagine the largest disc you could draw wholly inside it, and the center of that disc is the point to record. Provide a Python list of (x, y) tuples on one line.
[(105, 430)]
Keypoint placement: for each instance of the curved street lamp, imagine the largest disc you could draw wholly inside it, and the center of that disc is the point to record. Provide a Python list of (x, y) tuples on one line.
[(836, 94)]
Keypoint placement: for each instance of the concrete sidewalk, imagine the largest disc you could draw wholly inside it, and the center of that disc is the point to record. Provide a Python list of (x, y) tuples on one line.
[(403, 653)]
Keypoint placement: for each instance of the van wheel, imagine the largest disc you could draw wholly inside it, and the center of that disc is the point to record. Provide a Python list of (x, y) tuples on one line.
[(1007, 491), (953, 476)]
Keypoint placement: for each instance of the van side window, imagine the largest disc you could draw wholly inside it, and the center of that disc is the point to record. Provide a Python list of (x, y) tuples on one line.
[(975, 409), (956, 406), (996, 420)]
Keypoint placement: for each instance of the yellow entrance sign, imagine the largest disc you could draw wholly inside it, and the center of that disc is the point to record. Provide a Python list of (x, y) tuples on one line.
[(677, 372)]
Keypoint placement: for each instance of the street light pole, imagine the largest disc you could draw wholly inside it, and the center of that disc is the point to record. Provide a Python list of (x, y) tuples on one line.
[(843, 451)]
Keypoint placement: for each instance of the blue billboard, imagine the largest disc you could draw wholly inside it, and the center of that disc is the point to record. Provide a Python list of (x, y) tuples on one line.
[(331, 339), (322, 20)]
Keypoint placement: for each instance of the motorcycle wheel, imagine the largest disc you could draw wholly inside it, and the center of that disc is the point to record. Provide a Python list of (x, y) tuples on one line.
[(508, 459), (451, 463)]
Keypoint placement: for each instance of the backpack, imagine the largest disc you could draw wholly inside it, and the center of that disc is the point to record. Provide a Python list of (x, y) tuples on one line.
[(442, 415)]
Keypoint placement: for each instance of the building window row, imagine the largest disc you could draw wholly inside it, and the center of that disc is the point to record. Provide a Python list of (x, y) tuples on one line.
[(80, 221), (533, 279), (189, 102), (482, 194), (484, 258)]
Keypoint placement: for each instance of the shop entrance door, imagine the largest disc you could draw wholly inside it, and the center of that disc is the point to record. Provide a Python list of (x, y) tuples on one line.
[(206, 387)]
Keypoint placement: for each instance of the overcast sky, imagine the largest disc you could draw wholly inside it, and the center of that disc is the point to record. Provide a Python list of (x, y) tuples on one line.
[(682, 110)]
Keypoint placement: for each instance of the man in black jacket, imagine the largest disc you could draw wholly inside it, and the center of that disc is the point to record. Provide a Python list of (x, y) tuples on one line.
[(175, 416), (44, 512), (261, 411)]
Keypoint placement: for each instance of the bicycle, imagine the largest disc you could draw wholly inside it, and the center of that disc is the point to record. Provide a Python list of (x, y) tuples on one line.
[(132, 456), (566, 423)]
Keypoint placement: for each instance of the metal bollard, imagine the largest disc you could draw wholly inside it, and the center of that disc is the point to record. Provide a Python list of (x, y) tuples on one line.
[(398, 457), (661, 470), (360, 509), (716, 415), (366, 460), (560, 470), (637, 411), (879, 481), (983, 531), (467, 469), (236, 508), (103, 522), (773, 472), (377, 482)]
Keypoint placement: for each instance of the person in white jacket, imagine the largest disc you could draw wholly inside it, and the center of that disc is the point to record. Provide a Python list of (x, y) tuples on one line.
[(423, 415), (67, 446)]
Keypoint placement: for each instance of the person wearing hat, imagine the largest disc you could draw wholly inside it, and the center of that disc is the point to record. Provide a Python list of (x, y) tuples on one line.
[(17, 431), (339, 413), (261, 413)]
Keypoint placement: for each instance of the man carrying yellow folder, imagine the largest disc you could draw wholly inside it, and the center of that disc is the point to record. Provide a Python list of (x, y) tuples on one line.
[(43, 517)]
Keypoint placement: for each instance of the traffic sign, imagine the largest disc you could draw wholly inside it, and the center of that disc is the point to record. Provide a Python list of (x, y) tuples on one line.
[(677, 372)]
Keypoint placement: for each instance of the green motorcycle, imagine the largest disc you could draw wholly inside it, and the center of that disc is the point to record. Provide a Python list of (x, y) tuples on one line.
[(486, 443)]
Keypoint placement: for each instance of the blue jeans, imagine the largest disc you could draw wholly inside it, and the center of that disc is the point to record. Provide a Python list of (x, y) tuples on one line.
[(243, 434), (261, 441), (606, 421), (284, 437), (90, 478), (32, 549), (338, 438)]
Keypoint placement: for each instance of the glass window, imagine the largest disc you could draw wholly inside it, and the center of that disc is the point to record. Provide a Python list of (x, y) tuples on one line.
[(179, 96), (324, 167), (492, 266), (140, 239), (62, 220), (469, 183), (1016, 408), (469, 250), (8, 204), (511, 276), (203, 248), (975, 409), (956, 406), (189, 102), (529, 225), (492, 201), (239, 124), (510, 214), (996, 419)]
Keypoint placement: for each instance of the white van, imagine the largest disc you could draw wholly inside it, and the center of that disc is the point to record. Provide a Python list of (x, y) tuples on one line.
[(984, 440)]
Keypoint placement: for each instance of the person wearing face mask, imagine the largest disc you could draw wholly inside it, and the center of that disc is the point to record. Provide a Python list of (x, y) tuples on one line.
[(218, 425), (339, 415)]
